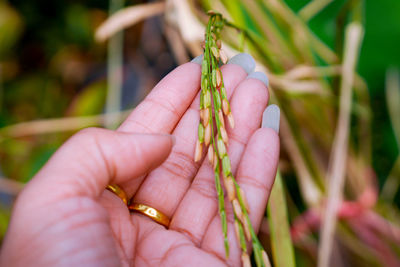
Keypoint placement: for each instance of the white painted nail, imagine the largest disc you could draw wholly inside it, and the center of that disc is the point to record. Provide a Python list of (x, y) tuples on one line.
[(271, 117), (197, 60), (261, 76), (245, 61)]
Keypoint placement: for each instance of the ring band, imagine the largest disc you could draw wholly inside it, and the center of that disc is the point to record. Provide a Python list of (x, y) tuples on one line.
[(150, 212), (118, 191)]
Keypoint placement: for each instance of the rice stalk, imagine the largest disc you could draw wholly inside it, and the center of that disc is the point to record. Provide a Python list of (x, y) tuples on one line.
[(214, 100), (114, 68), (337, 169)]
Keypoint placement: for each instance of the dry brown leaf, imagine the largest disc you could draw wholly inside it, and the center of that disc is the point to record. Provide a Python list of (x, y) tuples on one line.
[(127, 17), (338, 160)]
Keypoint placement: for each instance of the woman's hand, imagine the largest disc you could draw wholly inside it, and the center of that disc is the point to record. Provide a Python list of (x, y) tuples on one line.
[(64, 217)]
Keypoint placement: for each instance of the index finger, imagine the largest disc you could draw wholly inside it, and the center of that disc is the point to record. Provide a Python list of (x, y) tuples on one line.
[(162, 109)]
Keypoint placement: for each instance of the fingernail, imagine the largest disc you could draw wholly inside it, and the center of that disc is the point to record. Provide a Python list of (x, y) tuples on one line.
[(245, 61), (271, 117), (197, 60), (261, 76)]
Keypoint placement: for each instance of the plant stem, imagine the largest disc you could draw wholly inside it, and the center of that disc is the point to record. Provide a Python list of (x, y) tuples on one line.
[(313, 8), (282, 246), (114, 69), (213, 100), (336, 173)]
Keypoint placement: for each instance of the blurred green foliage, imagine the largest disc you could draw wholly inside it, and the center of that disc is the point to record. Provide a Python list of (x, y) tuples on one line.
[(49, 68), (276, 39), (47, 49), (10, 28), (380, 50)]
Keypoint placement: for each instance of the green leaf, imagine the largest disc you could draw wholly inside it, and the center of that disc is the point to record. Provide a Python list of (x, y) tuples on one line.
[(90, 101), (282, 246)]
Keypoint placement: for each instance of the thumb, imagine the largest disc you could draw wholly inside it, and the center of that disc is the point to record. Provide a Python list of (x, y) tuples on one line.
[(94, 158)]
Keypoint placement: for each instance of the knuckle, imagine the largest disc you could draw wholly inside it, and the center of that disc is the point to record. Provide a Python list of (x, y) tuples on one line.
[(180, 165), (86, 137), (88, 132), (205, 187)]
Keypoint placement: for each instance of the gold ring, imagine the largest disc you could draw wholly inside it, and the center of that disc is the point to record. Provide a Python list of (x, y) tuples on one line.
[(118, 191), (150, 212)]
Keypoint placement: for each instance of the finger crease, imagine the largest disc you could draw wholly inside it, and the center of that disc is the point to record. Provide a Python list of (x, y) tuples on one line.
[(181, 166), (252, 182), (167, 105), (237, 139), (110, 168), (190, 236), (205, 187), (136, 123), (170, 250), (221, 258)]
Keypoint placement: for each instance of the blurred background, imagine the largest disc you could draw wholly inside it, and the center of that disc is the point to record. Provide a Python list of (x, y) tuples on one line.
[(57, 78)]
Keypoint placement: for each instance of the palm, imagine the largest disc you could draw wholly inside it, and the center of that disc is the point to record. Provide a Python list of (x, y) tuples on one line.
[(142, 242), (130, 239)]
